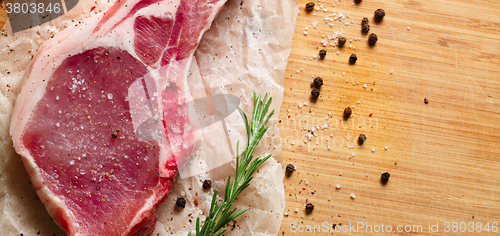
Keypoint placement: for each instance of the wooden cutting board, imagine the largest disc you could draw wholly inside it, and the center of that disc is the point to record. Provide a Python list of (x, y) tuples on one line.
[(3, 14), (443, 157)]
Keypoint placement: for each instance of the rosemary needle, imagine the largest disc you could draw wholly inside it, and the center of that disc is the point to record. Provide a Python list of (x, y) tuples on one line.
[(222, 214)]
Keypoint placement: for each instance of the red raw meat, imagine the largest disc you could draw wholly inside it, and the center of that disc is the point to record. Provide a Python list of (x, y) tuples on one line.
[(75, 127)]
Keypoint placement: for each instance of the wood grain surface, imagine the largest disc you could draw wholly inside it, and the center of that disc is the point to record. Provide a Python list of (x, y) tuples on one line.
[(443, 157), (3, 14)]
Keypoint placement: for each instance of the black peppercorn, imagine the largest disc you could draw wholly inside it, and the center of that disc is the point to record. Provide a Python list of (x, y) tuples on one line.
[(426, 101), (365, 28), (358, 1), (353, 58), (315, 93), (364, 21), (181, 202), (347, 112), (207, 184), (114, 135), (385, 177), (318, 81), (379, 14), (290, 168), (309, 207), (361, 139), (372, 39), (322, 54), (310, 6), (341, 41)]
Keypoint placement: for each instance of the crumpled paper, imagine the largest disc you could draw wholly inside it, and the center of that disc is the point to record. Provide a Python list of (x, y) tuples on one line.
[(245, 50)]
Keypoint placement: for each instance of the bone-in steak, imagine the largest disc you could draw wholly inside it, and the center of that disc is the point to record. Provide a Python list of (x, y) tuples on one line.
[(73, 123)]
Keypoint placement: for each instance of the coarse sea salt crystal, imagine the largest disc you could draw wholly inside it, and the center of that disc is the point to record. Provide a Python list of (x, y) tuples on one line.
[(305, 32), (386, 147), (353, 195), (57, 98), (296, 209), (72, 162), (373, 149), (338, 186), (314, 24), (353, 154)]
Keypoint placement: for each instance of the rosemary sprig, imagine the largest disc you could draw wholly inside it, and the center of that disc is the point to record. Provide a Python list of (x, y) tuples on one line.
[(222, 214)]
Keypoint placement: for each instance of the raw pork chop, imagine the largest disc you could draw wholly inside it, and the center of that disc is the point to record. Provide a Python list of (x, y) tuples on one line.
[(76, 129)]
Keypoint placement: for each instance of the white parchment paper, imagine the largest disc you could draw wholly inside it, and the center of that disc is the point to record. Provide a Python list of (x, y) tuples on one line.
[(245, 50)]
